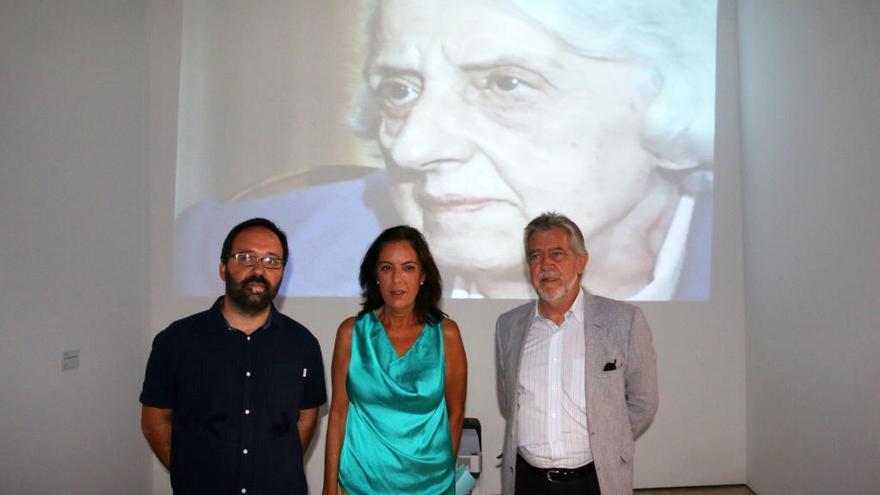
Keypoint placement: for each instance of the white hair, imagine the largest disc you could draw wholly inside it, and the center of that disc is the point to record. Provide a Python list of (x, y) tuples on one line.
[(675, 39)]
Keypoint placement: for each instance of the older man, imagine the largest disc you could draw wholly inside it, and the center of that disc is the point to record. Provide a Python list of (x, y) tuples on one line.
[(576, 373), (231, 395)]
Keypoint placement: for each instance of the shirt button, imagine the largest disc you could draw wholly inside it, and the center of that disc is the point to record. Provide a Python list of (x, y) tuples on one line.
[(247, 411), (244, 490), (244, 451), (247, 373)]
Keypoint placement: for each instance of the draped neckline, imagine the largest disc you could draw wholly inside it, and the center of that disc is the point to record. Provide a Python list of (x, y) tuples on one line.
[(387, 339)]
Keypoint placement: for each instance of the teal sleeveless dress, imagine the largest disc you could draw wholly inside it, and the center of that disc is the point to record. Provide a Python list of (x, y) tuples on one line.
[(397, 432)]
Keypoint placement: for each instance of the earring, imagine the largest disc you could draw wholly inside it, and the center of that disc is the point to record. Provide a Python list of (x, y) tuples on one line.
[(377, 282), (422, 282)]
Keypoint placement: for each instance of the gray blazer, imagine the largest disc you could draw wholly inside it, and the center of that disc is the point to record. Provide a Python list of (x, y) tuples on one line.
[(620, 402)]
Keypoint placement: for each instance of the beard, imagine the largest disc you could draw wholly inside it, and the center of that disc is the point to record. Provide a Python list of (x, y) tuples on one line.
[(553, 295), (248, 302)]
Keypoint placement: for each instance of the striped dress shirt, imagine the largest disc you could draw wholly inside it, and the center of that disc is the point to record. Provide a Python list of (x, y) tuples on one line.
[(552, 420)]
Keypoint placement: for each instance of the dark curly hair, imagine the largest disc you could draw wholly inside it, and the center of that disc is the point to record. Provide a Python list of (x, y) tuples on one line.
[(427, 308)]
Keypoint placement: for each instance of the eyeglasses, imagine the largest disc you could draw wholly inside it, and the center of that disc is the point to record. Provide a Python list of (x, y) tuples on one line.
[(250, 259)]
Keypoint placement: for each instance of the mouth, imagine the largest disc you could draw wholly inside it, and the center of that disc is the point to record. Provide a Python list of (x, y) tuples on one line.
[(455, 203), (256, 288)]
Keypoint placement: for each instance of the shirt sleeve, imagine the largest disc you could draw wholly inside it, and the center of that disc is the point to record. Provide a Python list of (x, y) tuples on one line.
[(159, 384), (314, 390)]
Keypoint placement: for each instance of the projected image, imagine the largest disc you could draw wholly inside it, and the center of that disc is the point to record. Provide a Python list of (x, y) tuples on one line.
[(464, 119)]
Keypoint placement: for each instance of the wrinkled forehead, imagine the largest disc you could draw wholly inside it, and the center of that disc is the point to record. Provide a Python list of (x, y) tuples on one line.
[(464, 32), (553, 238)]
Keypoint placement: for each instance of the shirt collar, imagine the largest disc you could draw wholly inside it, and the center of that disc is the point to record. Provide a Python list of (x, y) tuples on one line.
[(217, 310), (576, 310)]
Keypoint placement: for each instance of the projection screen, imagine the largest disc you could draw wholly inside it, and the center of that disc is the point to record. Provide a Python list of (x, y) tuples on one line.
[(464, 119)]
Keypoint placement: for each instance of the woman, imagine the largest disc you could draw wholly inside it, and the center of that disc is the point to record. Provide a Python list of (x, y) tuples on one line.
[(399, 377)]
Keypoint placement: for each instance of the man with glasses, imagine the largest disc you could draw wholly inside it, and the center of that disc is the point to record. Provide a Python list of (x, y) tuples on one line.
[(231, 395)]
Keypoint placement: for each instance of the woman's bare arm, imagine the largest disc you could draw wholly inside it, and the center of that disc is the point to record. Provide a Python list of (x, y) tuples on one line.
[(456, 380), (338, 406)]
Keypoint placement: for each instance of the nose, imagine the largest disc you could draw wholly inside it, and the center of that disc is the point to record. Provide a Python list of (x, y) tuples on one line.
[(434, 133), (258, 268)]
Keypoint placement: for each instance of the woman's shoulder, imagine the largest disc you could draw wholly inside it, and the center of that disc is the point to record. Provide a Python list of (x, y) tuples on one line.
[(345, 328), (359, 320), (453, 346), (450, 328)]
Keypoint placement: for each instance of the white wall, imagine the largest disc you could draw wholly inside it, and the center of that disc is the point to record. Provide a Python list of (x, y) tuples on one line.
[(811, 114), (73, 217)]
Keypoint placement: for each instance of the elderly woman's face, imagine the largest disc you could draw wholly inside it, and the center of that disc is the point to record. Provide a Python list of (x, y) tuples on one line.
[(487, 121)]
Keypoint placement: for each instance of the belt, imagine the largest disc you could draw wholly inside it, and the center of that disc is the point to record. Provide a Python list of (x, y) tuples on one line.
[(561, 475)]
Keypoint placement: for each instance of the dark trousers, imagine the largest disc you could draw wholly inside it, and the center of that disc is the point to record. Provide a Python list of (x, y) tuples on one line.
[(531, 480)]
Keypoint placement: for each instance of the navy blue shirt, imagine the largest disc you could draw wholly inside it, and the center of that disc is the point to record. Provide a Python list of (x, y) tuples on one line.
[(236, 400)]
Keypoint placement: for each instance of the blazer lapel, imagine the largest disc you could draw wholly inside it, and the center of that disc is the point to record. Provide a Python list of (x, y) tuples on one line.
[(592, 341), (517, 342)]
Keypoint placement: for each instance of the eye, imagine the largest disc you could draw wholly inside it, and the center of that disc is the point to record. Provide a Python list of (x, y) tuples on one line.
[(534, 257), (557, 255), (246, 259), (512, 80), (396, 93), (271, 262), (506, 83)]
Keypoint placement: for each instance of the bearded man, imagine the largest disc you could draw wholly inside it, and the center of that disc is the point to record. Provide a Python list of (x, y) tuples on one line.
[(577, 375), (231, 394)]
